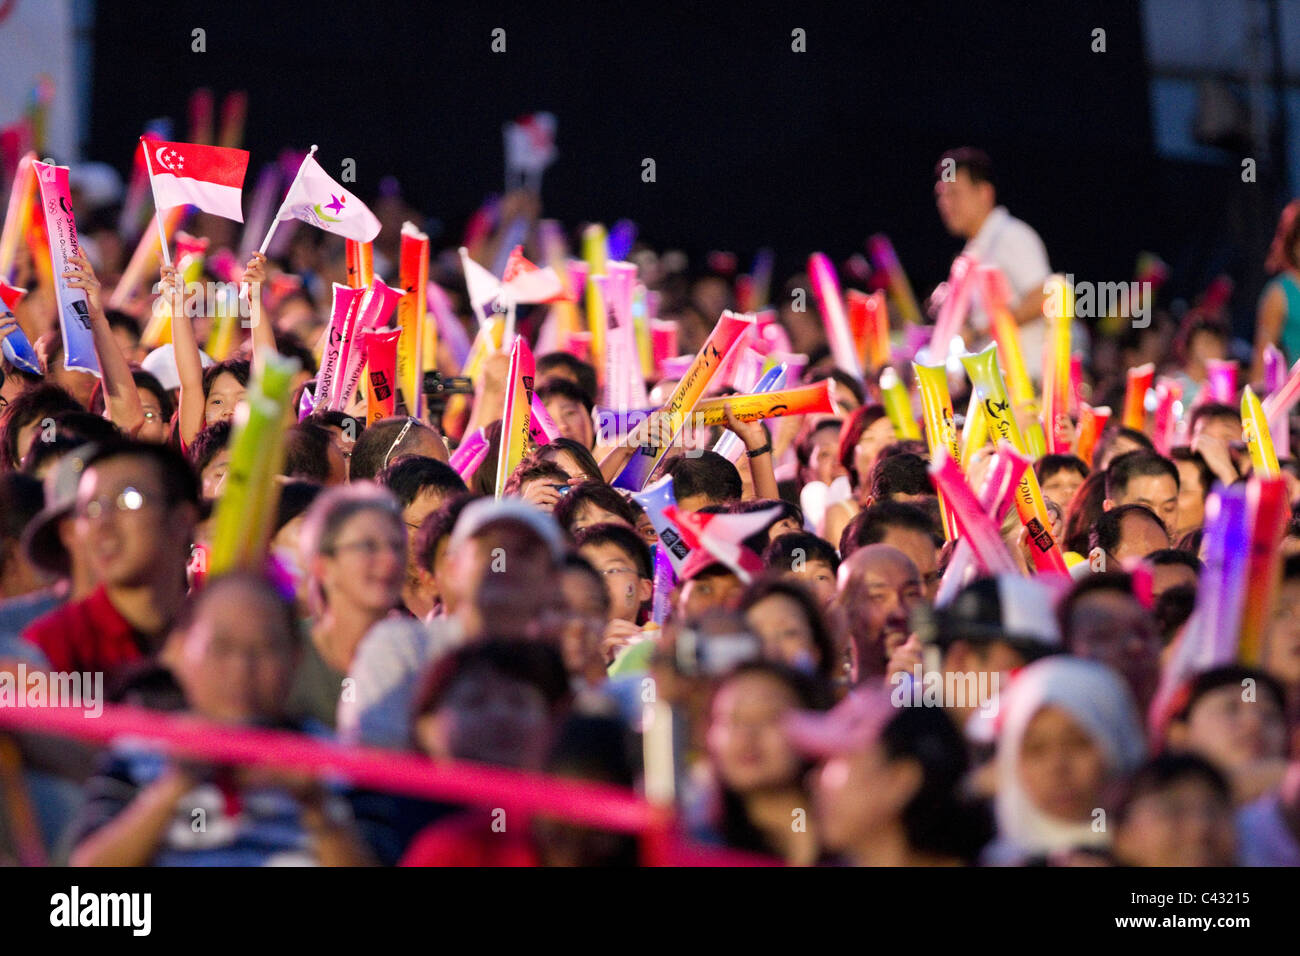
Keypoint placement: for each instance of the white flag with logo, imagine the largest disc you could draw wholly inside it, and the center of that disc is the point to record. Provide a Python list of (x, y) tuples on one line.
[(319, 201)]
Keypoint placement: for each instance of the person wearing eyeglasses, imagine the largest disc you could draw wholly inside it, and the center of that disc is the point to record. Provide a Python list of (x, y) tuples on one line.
[(135, 511), (623, 559), (353, 549)]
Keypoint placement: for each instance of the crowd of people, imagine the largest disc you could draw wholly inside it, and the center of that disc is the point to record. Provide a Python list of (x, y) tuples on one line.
[(409, 607)]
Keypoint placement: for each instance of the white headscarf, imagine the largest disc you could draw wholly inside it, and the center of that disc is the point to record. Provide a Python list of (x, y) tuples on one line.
[(1099, 702)]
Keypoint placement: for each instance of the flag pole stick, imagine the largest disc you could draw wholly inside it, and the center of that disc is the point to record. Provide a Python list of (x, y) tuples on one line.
[(157, 211), (509, 335), (275, 223)]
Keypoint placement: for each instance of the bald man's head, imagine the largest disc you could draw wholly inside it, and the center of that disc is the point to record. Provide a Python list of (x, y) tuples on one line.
[(878, 587)]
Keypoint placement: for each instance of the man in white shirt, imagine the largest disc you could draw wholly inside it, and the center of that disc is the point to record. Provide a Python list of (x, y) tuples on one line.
[(966, 196)]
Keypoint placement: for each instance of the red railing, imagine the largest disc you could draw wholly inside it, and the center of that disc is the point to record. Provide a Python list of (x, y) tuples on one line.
[(518, 792)]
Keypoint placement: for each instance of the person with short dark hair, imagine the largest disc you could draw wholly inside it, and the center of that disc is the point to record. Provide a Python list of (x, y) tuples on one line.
[(590, 503), (903, 526), (1125, 533), (704, 478), (618, 553), (1173, 568), (1234, 717), (137, 505), (454, 720), (965, 192), (1102, 620), (24, 418), (21, 500), (1216, 419), (64, 432), (564, 365), (818, 452), (310, 454), (904, 477), (538, 482), (1060, 476), (1195, 480), (576, 460), (1118, 440), (140, 806), (209, 456), (569, 406), (421, 486), (807, 559), (1144, 478), (1176, 811)]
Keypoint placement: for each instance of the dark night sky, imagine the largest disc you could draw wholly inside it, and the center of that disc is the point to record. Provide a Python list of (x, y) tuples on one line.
[(754, 144)]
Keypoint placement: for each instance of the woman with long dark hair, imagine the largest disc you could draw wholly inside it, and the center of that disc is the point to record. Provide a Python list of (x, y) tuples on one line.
[(758, 802)]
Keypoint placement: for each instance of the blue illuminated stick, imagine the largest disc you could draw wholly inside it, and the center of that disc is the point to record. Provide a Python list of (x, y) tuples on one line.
[(614, 424), (665, 579), (306, 404), (729, 445), (654, 499), (17, 349), (1212, 634), (621, 239), (61, 228), (690, 389)]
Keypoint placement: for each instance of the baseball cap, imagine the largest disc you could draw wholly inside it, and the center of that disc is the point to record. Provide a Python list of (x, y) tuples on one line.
[(849, 727), (702, 559), (161, 364), (479, 513), (1007, 607), (41, 537)]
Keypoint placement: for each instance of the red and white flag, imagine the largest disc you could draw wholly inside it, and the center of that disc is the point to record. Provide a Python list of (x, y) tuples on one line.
[(319, 201), (523, 281), (210, 177), (721, 537)]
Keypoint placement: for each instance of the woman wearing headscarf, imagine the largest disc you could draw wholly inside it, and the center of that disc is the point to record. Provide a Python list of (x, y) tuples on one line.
[(1070, 732)]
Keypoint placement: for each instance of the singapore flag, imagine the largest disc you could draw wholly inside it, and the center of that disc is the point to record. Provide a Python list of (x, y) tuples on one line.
[(210, 177)]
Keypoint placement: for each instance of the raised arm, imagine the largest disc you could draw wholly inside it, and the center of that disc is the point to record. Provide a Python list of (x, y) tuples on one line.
[(133, 836), (189, 366), (120, 395), (1269, 319), (263, 334), (758, 446)]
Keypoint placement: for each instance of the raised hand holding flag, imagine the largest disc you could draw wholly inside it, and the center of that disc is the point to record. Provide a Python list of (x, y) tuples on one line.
[(180, 174)]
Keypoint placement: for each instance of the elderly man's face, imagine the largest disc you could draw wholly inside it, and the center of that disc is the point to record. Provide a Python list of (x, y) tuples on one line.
[(878, 588)]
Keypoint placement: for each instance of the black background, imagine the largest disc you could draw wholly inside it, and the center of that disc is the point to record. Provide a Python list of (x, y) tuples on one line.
[(754, 144)]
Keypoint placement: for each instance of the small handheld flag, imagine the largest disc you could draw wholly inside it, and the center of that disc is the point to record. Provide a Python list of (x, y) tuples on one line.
[(316, 199), (210, 177)]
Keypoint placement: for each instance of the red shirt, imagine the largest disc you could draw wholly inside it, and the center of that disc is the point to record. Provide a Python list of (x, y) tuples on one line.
[(469, 840), (86, 635)]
